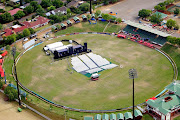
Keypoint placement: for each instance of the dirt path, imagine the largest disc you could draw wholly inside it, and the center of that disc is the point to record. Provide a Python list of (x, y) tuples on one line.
[(8, 111)]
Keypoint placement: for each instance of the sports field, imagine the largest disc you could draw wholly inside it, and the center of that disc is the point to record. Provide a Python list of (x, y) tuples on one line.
[(53, 81)]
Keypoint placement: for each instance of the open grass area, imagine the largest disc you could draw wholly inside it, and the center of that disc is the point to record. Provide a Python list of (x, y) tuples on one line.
[(86, 27), (40, 28), (174, 52), (54, 82)]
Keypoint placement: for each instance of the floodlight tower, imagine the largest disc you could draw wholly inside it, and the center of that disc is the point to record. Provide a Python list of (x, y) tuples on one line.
[(15, 73), (90, 7), (132, 75)]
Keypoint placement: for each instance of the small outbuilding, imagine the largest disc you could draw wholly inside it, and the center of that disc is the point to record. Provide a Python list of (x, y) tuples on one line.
[(105, 117), (120, 116), (88, 118), (63, 26), (69, 23), (92, 16), (138, 115), (128, 116), (112, 116), (76, 19), (84, 18), (97, 117)]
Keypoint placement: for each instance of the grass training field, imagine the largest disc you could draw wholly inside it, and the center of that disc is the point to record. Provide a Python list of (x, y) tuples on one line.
[(113, 90)]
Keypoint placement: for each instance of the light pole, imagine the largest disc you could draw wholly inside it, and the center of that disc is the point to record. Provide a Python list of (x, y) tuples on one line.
[(132, 75), (15, 73), (90, 7)]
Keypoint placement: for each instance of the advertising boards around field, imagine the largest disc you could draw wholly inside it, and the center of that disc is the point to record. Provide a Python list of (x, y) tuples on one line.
[(28, 44)]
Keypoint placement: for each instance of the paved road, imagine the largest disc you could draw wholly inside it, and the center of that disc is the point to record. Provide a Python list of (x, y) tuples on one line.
[(128, 9)]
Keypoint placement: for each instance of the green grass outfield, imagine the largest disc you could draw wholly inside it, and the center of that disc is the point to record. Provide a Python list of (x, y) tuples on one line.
[(113, 90), (86, 27)]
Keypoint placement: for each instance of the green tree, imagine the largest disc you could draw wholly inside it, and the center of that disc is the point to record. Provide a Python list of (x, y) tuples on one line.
[(6, 17), (176, 11), (144, 13), (11, 96), (46, 3), (26, 32), (10, 39), (157, 7), (7, 48), (106, 2), (40, 11), (58, 27), (19, 14), (19, 36), (51, 8), (34, 4), (156, 18), (84, 7), (68, 11), (106, 16), (171, 23), (53, 30), (1, 26), (1, 85), (57, 3), (31, 30), (98, 12), (88, 16), (29, 9), (119, 20)]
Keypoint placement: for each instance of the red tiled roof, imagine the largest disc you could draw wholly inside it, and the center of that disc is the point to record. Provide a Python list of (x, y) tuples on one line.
[(20, 29), (8, 32), (40, 20), (14, 11)]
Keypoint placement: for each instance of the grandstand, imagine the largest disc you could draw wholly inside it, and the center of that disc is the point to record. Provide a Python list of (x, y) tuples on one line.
[(90, 63), (153, 35)]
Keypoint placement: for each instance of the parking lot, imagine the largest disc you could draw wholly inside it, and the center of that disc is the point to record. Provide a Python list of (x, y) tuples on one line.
[(128, 9)]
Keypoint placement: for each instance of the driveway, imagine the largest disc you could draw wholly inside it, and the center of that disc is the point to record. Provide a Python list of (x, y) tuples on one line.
[(128, 9)]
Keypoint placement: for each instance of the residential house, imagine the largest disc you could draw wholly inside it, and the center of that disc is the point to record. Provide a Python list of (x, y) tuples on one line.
[(167, 106), (61, 10), (14, 11), (35, 23), (7, 32)]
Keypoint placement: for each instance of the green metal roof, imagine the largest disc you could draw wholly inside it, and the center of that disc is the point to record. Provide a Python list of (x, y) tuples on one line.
[(92, 15), (137, 113), (54, 27), (63, 25), (105, 117), (112, 116), (120, 116), (69, 22), (146, 28), (128, 115), (160, 13), (97, 117), (88, 118), (174, 87), (163, 106), (83, 16), (75, 18)]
